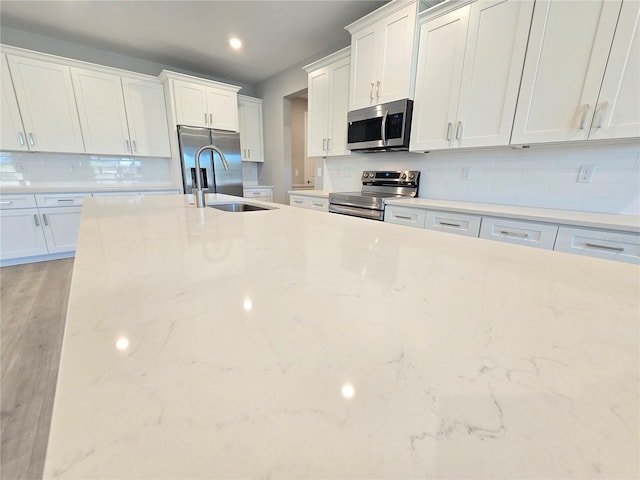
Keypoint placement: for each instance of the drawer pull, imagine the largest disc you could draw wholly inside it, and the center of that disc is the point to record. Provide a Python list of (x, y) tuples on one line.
[(513, 234), (403, 217), (605, 247), (317, 204), (7, 202), (447, 224), (297, 201), (63, 200), (36, 219)]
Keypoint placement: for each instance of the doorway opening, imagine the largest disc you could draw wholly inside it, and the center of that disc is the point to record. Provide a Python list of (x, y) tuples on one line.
[(302, 167)]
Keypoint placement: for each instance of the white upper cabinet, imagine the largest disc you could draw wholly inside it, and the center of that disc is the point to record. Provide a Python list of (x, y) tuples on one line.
[(469, 68), (121, 115), (618, 111), (200, 103), (102, 113), (328, 105), (12, 135), (568, 49), (382, 55), (250, 123), (146, 117), (44, 91)]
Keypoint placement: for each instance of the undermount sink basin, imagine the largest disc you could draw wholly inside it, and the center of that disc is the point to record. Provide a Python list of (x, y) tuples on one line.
[(238, 207)]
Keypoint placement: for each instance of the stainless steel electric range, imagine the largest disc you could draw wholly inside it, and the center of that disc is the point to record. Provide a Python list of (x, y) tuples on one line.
[(376, 187)]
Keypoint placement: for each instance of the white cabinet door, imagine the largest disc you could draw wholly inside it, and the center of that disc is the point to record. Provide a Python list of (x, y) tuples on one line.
[(101, 110), (566, 57), (363, 69), (439, 72), (146, 117), (47, 104), (250, 123), (518, 232), (494, 56), (61, 225), (395, 54), (21, 234), (458, 223), (222, 106), (12, 136), (623, 247), (411, 217), (299, 201), (191, 104), (338, 108), (318, 106), (618, 111)]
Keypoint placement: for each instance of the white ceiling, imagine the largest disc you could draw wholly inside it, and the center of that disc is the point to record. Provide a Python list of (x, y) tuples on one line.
[(193, 35)]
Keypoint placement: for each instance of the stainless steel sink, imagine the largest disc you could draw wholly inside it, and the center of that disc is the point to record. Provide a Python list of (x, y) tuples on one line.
[(238, 207)]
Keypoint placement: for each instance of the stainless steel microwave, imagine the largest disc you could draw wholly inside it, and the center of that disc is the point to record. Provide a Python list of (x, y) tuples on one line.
[(384, 127)]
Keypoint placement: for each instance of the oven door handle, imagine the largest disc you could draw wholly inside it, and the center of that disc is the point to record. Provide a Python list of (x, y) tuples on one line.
[(384, 128), (356, 211)]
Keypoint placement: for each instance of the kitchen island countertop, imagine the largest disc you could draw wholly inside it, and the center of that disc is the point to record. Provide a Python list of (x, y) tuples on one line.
[(291, 343)]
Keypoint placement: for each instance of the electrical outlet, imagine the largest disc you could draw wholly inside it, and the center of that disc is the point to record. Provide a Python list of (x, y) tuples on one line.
[(319, 174), (586, 173), (466, 173), (296, 173)]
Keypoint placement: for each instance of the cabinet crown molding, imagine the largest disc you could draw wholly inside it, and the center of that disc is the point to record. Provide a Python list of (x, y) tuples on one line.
[(440, 8), (70, 62), (385, 11), (328, 60), (167, 75), (244, 98)]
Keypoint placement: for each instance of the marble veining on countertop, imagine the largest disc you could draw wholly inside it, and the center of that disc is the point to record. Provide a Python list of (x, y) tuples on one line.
[(629, 223), (292, 344)]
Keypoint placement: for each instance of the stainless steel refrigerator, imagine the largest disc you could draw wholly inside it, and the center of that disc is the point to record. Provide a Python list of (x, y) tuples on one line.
[(214, 176)]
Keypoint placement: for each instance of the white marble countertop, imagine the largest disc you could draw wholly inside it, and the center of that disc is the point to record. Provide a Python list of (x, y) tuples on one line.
[(628, 223), (207, 344), (310, 193)]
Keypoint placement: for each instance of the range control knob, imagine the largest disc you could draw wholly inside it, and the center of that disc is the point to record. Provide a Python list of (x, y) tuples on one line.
[(404, 176), (412, 176)]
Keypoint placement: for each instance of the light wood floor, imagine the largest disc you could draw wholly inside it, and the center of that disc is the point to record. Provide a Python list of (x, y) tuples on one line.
[(33, 307)]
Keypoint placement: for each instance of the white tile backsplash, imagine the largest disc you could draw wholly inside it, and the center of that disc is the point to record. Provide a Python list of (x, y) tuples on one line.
[(540, 176), (20, 169)]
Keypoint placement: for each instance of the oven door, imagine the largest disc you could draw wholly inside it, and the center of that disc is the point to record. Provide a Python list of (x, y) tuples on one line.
[(356, 211)]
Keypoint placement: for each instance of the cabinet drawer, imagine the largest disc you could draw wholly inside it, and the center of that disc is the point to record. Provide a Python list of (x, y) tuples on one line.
[(263, 194), (318, 204), (8, 202), (298, 201), (461, 224), (521, 233), (624, 247), (115, 194), (61, 199), (410, 217)]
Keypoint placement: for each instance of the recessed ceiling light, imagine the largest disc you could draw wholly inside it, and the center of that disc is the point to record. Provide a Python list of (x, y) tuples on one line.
[(235, 43)]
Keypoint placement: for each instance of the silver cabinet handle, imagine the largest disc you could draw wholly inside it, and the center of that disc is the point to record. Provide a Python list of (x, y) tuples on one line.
[(459, 131), (371, 91), (45, 218), (403, 217), (328, 144), (297, 201), (324, 144), (135, 147), (378, 89), (7, 202), (602, 108), (513, 234), (126, 144), (604, 247), (457, 225), (449, 129), (31, 140), (383, 128), (317, 204), (64, 200), (248, 153), (584, 116), (205, 119), (36, 219), (21, 138), (211, 119)]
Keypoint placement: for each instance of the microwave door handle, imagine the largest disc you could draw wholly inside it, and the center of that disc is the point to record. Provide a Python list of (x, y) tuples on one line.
[(384, 128)]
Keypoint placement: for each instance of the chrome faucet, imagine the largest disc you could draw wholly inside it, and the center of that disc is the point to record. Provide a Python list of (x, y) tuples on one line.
[(198, 193)]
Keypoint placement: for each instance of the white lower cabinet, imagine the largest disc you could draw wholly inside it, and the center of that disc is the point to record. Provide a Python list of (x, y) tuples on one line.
[(60, 226), (521, 233), (264, 194), (457, 223), (624, 247), (309, 202), (410, 217), (21, 233)]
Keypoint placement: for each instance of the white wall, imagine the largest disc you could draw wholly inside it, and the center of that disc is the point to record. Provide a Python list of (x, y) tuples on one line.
[(541, 176)]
